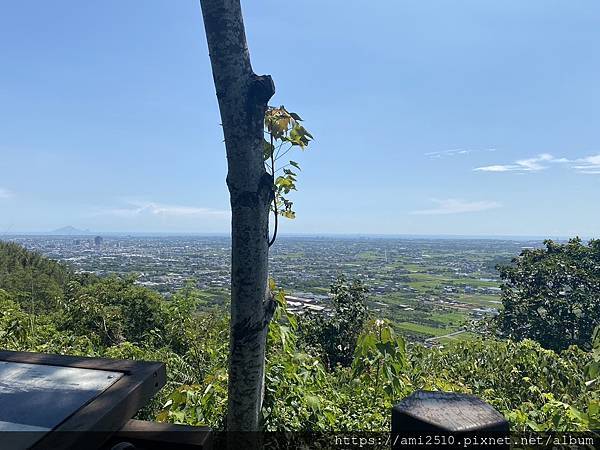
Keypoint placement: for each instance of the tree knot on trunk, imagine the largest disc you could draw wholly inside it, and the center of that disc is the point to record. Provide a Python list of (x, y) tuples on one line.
[(261, 89), (267, 187), (269, 307), (261, 198)]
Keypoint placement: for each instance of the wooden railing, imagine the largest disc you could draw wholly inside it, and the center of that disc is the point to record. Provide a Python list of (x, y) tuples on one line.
[(423, 420)]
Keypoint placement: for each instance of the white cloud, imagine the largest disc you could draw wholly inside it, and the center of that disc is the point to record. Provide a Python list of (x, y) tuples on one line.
[(590, 165), (456, 151), (495, 168), (5, 193), (534, 164), (457, 206), (587, 165), (135, 209), (522, 165)]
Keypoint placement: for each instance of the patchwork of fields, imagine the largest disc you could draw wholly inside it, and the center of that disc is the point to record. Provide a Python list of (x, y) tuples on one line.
[(433, 290)]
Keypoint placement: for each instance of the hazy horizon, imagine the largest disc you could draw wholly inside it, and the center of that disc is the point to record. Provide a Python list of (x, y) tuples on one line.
[(75, 233)]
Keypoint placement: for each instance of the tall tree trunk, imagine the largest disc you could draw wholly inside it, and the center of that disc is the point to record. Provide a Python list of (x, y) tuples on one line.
[(243, 98)]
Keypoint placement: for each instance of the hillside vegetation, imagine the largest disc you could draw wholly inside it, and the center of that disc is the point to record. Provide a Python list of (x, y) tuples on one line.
[(341, 373)]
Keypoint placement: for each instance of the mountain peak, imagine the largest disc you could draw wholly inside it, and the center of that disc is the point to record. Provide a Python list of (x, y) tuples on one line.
[(69, 231)]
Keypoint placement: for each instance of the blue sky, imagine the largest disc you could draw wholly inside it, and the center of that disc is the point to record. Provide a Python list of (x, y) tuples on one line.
[(430, 117)]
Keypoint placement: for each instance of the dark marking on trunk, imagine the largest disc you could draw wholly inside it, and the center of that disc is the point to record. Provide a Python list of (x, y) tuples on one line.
[(261, 90), (262, 197), (270, 307)]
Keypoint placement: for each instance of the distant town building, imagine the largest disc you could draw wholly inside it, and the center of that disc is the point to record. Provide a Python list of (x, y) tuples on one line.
[(98, 241), (298, 305)]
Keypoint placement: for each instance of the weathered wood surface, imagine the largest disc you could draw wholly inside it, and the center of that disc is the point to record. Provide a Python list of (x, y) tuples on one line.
[(43, 396), (95, 421), (435, 417), (449, 412), (35, 398)]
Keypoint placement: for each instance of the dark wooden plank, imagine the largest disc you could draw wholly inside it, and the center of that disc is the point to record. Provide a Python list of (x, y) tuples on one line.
[(109, 411), (43, 396), (163, 436), (83, 362), (95, 422)]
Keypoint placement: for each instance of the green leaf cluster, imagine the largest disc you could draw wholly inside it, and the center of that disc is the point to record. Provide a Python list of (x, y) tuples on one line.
[(284, 132), (552, 295)]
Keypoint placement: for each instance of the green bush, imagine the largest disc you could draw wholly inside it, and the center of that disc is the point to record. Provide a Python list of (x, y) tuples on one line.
[(552, 295), (334, 335)]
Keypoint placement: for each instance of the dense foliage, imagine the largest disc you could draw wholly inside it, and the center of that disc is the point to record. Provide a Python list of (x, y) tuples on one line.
[(30, 277), (334, 335), (535, 388), (552, 295)]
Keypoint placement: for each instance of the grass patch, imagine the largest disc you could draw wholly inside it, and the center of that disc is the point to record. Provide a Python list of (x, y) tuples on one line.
[(422, 329)]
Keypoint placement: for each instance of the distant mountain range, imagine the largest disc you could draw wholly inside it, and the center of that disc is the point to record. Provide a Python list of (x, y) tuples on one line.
[(70, 231)]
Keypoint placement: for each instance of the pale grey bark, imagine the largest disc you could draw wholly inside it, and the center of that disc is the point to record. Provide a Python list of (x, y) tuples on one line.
[(243, 97)]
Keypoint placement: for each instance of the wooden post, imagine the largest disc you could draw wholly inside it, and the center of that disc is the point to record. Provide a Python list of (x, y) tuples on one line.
[(447, 420)]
